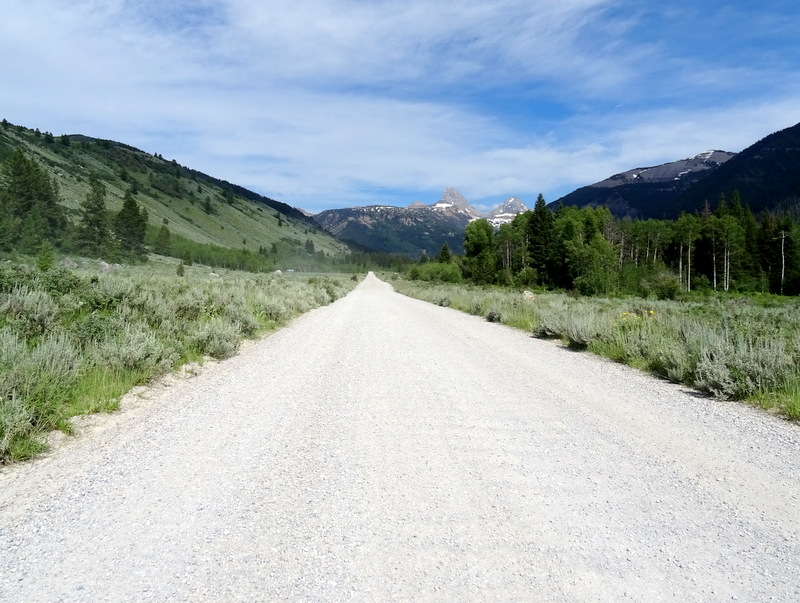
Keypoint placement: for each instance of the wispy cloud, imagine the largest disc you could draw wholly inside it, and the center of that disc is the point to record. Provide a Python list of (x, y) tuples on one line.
[(339, 102)]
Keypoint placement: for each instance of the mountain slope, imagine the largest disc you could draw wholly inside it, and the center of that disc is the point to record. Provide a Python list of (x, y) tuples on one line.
[(648, 192), (193, 205), (414, 229), (766, 174), (405, 230), (506, 211)]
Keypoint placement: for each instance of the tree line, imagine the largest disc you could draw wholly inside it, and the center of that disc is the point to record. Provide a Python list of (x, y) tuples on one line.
[(32, 217), (589, 251)]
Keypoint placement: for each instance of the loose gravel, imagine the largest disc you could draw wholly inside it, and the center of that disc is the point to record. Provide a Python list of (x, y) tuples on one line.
[(382, 449)]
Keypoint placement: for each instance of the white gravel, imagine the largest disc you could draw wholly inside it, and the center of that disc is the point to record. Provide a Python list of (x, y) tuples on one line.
[(382, 448)]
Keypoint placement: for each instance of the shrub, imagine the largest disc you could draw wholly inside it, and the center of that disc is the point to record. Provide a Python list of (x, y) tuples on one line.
[(739, 368), (436, 272), (134, 348), (31, 311), (494, 316), (16, 420), (217, 338)]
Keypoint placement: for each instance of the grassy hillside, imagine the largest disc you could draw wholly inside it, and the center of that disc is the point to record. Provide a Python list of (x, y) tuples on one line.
[(194, 206)]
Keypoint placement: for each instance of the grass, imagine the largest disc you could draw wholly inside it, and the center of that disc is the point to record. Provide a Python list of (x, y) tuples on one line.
[(736, 348), (74, 341)]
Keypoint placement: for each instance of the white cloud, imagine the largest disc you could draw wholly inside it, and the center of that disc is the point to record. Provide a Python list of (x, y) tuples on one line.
[(338, 102)]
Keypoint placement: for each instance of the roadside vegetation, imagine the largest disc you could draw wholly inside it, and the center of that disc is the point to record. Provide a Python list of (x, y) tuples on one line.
[(73, 341), (732, 347)]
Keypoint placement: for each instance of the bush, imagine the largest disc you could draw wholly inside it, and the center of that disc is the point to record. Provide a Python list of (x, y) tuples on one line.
[(217, 338), (134, 348), (494, 316), (436, 272), (32, 312), (527, 277)]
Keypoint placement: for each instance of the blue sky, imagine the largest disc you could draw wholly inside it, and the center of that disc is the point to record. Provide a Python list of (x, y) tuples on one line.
[(335, 103)]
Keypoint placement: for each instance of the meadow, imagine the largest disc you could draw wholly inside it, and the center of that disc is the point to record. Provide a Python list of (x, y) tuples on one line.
[(73, 341), (732, 347)]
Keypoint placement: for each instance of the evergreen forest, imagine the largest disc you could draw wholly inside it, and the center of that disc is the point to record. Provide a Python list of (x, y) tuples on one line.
[(724, 248)]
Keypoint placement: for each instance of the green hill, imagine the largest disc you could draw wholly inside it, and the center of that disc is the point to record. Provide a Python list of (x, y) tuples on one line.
[(199, 210)]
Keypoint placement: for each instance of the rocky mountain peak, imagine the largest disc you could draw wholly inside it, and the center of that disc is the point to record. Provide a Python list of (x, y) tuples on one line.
[(451, 196), (511, 206)]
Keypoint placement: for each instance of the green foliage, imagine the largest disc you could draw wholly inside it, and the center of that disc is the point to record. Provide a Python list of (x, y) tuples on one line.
[(588, 251), (162, 243), (436, 272), (46, 257), (479, 263), (30, 212), (93, 234), (445, 255), (130, 227), (540, 238)]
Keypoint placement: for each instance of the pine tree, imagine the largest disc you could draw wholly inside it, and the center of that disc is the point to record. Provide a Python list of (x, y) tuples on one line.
[(130, 226), (445, 255), (162, 243), (750, 269), (540, 239), (30, 211), (93, 233)]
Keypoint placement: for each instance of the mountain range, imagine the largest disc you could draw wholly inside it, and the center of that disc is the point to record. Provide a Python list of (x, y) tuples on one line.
[(637, 192), (209, 211), (416, 228), (766, 175)]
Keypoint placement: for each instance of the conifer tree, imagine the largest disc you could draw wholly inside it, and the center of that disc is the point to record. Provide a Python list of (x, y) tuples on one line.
[(130, 226), (93, 233), (162, 243), (30, 212), (540, 239), (445, 255)]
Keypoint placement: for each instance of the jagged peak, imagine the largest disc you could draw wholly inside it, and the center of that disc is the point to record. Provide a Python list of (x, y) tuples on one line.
[(512, 205), (451, 196)]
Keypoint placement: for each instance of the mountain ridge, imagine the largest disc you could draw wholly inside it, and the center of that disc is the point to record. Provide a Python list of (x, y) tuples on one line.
[(639, 192), (414, 229), (195, 207)]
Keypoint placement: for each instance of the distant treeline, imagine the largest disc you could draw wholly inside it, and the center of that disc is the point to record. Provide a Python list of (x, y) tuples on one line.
[(589, 251)]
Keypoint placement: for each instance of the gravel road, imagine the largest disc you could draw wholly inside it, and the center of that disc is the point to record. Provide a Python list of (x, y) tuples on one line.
[(381, 449)]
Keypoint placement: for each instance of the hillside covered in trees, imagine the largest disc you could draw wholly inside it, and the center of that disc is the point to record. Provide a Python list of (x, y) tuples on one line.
[(99, 198), (588, 250)]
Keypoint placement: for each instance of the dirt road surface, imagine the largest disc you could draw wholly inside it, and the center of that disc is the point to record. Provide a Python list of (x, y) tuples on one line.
[(383, 449)]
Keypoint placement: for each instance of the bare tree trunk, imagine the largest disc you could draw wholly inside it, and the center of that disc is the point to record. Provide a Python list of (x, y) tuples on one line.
[(689, 268), (714, 260), (783, 258)]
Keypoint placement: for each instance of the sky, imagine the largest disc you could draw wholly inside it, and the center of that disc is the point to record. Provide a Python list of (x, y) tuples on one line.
[(338, 103)]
